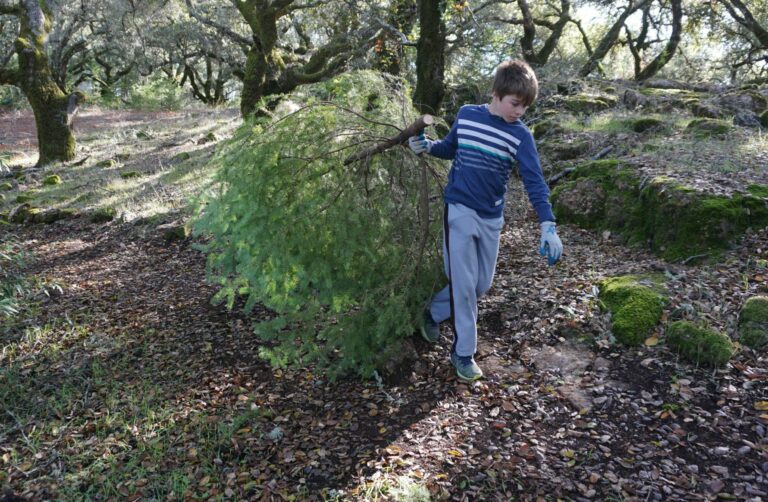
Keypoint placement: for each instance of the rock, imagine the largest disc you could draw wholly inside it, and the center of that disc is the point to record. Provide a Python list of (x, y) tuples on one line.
[(130, 174), (19, 213), (181, 157), (636, 304), (746, 118), (705, 110), (700, 344), (174, 232), (565, 150), (547, 128), (633, 99), (50, 216), (107, 163), (753, 322), (103, 215), (764, 119), (646, 124), (708, 127), (53, 179), (583, 103)]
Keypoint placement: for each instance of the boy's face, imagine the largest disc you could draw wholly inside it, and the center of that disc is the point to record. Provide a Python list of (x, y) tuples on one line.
[(510, 107)]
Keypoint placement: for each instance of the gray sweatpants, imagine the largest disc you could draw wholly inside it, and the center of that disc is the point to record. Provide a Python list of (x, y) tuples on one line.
[(470, 249)]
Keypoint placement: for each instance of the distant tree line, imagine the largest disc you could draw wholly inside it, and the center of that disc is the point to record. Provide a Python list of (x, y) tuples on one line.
[(51, 48)]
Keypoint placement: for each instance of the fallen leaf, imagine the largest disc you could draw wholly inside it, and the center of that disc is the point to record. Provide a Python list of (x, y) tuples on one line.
[(652, 341)]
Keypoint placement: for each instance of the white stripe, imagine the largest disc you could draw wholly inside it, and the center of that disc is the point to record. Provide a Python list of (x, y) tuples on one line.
[(470, 132), (485, 147), (491, 129)]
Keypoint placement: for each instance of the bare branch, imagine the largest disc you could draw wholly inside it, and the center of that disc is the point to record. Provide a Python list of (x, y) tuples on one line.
[(236, 37)]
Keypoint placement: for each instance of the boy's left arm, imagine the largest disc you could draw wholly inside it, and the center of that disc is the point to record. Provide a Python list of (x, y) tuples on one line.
[(538, 193)]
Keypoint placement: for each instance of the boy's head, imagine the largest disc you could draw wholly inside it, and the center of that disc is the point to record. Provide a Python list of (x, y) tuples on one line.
[(515, 77)]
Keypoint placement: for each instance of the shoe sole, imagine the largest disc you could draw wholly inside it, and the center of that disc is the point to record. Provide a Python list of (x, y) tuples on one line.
[(465, 379)]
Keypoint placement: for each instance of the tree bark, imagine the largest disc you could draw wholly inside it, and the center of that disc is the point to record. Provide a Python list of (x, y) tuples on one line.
[(609, 39), (430, 57), (671, 47), (53, 109)]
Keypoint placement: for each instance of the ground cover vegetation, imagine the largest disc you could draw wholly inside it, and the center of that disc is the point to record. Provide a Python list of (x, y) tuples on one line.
[(635, 369)]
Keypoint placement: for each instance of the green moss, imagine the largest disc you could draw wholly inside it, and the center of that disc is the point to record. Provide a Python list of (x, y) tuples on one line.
[(106, 163), (675, 221), (4, 187), (753, 322), (176, 233), (636, 304), (708, 127), (145, 135), (646, 123), (103, 215), (700, 344), (37, 215), (181, 157), (566, 150), (588, 104), (24, 197), (547, 128), (130, 174), (764, 119), (53, 179)]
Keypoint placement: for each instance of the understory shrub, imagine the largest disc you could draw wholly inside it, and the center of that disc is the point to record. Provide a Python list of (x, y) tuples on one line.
[(346, 256), (158, 93)]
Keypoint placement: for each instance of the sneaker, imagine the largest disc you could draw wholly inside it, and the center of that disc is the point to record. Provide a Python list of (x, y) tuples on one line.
[(430, 330), (466, 368)]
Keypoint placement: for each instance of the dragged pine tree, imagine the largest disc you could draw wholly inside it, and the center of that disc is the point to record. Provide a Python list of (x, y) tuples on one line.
[(345, 255)]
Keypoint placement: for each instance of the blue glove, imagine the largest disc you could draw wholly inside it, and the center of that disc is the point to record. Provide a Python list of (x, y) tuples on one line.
[(419, 144), (550, 245)]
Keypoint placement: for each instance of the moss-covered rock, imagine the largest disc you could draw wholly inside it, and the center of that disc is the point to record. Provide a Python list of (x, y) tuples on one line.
[(708, 127), (636, 303), (122, 157), (37, 215), (704, 110), (25, 197), (582, 103), (175, 232), (753, 322), (549, 127), (675, 221), (107, 163), (145, 135), (700, 344), (645, 124), (181, 157), (103, 215), (19, 213), (764, 119), (130, 174), (565, 150), (5, 186), (53, 179)]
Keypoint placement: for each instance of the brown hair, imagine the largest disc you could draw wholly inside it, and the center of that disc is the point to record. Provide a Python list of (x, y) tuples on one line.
[(516, 77)]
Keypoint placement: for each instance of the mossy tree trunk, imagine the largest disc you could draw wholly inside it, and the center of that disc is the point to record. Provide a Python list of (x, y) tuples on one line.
[(430, 57), (52, 107), (610, 37)]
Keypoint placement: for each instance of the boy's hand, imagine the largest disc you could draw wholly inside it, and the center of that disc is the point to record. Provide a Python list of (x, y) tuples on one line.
[(419, 144), (550, 246)]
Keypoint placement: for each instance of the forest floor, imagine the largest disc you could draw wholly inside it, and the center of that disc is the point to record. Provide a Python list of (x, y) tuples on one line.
[(119, 380)]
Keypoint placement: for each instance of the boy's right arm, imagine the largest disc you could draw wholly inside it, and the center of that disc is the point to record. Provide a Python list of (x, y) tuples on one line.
[(444, 149)]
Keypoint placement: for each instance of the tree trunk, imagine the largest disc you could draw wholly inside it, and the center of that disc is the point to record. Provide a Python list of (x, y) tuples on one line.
[(669, 50), (430, 57), (609, 39), (52, 108)]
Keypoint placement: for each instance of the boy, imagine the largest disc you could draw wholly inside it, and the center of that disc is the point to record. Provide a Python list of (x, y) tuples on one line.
[(483, 143)]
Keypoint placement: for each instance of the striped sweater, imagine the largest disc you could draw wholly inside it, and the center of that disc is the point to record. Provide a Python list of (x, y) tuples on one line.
[(483, 147)]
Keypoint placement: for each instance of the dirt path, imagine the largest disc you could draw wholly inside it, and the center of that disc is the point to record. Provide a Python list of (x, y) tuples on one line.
[(562, 412)]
